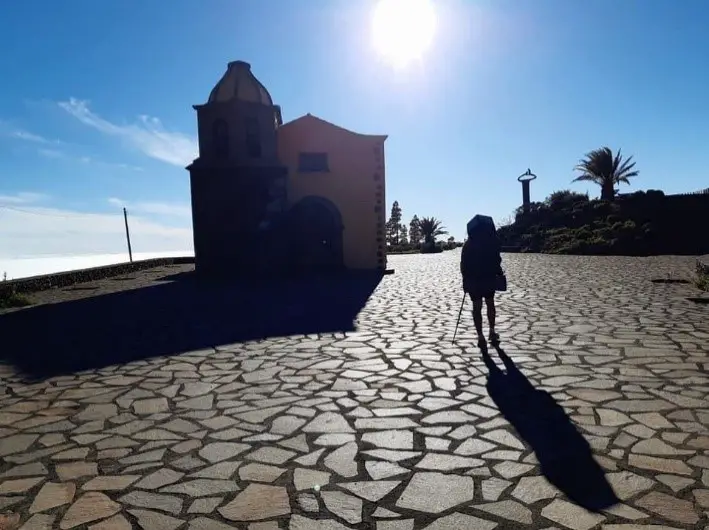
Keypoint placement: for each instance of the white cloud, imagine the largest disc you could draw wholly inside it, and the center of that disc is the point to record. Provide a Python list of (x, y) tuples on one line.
[(31, 137), (10, 131), (51, 153), (146, 135), (57, 154), (23, 197), (153, 208), (30, 229)]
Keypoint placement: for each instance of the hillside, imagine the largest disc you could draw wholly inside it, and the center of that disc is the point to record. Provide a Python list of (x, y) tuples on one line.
[(637, 224)]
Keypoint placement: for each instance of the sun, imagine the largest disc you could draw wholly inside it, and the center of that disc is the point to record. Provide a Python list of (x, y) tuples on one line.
[(403, 30)]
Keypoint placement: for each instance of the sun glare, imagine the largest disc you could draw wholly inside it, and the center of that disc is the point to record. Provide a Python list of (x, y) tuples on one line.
[(403, 30)]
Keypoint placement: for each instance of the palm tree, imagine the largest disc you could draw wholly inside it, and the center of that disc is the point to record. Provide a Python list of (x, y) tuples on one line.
[(431, 228), (601, 167)]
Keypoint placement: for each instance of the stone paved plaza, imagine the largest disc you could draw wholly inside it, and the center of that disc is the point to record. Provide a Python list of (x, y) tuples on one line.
[(390, 427)]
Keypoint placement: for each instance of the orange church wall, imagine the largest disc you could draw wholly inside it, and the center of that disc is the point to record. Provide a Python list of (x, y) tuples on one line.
[(354, 183)]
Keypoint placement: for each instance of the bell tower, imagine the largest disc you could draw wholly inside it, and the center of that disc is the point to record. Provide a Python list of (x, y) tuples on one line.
[(238, 185)]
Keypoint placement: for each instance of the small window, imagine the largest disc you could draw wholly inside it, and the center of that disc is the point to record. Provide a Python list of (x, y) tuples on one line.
[(253, 138), (220, 138), (313, 162)]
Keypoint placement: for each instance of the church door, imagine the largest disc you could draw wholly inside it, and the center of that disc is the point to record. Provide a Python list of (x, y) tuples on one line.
[(316, 236)]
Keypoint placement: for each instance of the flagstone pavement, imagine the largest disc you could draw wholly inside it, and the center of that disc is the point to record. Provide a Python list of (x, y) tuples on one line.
[(391, 427)]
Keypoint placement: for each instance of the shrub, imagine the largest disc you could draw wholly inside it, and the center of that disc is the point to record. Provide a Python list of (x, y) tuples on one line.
[(431, 248), (564, 198), (9, 297), (403, 249), (702, 280), (641, 223)]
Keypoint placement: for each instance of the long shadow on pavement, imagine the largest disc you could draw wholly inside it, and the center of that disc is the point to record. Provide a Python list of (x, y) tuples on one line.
[(186, 314), (564, 455)]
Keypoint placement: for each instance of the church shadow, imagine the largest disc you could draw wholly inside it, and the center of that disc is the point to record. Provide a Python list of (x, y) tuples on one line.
[(564, 455), (185, 314)]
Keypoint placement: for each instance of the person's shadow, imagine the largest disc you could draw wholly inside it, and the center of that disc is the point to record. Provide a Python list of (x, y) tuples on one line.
[(564, 455)]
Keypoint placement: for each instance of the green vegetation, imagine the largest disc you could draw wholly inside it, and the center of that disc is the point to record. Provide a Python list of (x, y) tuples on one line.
[(637, 224), (702, 279), (431, 228), (421, 236), (9, 297)]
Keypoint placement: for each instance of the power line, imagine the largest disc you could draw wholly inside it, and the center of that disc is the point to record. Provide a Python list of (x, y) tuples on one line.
[(46, 214)]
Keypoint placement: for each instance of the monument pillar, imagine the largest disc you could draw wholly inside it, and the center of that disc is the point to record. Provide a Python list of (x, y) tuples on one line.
[(525, 178)]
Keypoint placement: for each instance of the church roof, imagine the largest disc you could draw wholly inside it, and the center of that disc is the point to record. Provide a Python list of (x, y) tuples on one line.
[(314, 119), (238, 83)]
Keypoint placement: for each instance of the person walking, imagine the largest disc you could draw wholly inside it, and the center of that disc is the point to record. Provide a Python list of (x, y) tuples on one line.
[(481, 268)]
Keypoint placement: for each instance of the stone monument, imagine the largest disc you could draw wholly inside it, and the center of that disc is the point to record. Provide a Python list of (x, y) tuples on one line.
[(525, 178)]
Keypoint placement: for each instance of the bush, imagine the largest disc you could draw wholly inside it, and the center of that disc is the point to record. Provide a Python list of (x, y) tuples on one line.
[(563, 198), (10, 298), (431, 248), (642, 223), (403, 249), (702, 280)]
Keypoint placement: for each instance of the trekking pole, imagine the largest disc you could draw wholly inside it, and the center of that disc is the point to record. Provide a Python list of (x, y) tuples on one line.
[(462, 303)]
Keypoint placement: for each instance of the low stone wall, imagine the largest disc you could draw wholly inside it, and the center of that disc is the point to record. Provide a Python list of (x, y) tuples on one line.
[(65, 279)]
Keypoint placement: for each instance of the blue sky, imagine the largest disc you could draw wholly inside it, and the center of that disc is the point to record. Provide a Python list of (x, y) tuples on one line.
[(95, 103)]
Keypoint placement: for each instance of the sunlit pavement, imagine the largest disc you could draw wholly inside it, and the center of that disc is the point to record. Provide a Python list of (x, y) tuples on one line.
[(391, 427)]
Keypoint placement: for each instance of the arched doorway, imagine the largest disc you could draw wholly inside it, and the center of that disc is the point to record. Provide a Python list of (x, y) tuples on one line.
[(315, 230)]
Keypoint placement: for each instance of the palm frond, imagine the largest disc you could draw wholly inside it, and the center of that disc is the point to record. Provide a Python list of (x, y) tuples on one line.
[(606, 169)]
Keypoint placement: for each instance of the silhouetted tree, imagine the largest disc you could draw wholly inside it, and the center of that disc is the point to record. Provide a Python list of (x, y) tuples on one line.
[(601, 167), (431, 228), (392, 225), (415, 231)]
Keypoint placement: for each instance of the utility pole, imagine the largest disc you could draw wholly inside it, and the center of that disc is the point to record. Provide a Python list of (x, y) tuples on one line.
[(125, 218)]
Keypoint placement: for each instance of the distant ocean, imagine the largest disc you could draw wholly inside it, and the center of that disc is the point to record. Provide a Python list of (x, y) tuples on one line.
[(35, 266)]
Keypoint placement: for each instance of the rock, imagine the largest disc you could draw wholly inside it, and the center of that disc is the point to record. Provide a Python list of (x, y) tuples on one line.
[(205, 505), (271, 455), (52, 495), (117, 522), (218, 451), (201, 487), (626, 484), (435, 492), (159, 478), (90, 507), (371, 490), (508, 509), (144, 499), (150, 520), (492, 488), (342, 460), (460, 521), (19, 485), (661, 465), (393, 439), (74, 470), (571, 516), (299, 522), (329, 422), (530, 490), (260, 473), (256, 502), (669, 507), (110, 483), (305, 479), (344, 506)]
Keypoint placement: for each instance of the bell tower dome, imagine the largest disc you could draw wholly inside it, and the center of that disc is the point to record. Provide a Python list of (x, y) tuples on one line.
[(239, 121)]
